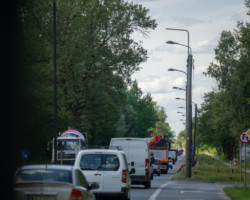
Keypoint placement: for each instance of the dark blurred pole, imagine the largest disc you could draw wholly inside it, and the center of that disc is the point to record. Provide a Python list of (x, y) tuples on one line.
[(195, 132), (55, 83)]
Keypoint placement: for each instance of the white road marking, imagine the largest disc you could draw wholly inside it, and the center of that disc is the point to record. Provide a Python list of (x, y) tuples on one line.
[(157, 192), (196, 191)]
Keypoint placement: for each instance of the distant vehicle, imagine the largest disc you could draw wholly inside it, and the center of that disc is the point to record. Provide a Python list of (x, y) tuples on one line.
[(109, 169), (138, 156), (180, 152), (159, 147), (51, 182), (174, 155), (69, 143), (156, 166), (170, 162)]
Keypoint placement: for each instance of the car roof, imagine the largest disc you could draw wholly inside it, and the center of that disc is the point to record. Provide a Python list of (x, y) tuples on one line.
[(44, 166), (101, 151)]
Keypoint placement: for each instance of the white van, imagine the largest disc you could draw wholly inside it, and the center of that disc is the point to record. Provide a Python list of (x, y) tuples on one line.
[(109, 169), (138, 157)]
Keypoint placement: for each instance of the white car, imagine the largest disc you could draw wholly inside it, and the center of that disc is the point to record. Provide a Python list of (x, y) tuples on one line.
[(138, 155), (109, 169), (51, 182)]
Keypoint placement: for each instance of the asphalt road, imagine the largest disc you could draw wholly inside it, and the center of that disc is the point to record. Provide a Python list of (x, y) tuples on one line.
[(163, 188)]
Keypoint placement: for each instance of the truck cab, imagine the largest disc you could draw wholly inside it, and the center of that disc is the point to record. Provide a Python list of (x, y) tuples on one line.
[(69, 143)]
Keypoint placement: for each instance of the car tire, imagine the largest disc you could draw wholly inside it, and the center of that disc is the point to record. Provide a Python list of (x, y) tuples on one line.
[(147, 184)]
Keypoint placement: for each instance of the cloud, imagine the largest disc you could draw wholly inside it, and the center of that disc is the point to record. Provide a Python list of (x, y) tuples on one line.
[(189, 21)]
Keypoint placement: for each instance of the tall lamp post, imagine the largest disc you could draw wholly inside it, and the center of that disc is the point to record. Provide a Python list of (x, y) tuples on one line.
[(55, 81), (188, 108)]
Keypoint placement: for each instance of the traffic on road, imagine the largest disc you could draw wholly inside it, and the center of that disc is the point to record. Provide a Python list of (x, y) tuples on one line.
[(126, 169)]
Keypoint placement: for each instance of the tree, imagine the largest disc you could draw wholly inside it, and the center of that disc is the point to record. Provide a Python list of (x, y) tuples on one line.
[(138, 115), (96, 57), (161, 126), (225, 111), (181, 140)]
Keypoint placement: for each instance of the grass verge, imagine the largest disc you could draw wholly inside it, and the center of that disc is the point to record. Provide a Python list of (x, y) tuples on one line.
[(211, 170), (237, 193)]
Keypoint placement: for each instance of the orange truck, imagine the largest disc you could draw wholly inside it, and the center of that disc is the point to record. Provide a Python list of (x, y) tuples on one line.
[(159, 148)]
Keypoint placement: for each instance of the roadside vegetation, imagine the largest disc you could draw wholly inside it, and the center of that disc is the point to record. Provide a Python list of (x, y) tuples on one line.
[(212, 170), (237, 193), (224, 113)]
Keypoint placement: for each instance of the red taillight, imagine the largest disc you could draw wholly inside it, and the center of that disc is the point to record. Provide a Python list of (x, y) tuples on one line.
[(76, 195), (124, 176), (146, 165)]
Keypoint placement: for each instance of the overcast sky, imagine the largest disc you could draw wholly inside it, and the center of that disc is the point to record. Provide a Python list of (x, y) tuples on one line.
[(205, 20)]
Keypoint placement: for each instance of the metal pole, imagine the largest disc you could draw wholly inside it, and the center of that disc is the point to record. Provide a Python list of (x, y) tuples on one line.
[(240, 162), (189, 117), (55, 83), (195, 128), (245, 167), (188, 158)]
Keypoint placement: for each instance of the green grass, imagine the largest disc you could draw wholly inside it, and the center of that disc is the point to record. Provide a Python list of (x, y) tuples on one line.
[(237, 193), (211, 170)]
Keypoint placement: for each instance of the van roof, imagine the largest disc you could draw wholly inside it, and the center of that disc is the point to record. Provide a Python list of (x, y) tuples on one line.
[(129, 138)]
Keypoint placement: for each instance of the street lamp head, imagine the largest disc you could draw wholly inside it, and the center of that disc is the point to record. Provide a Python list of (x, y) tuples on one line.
[(171, 42), (180, 99), (171, 69), (175, 88)]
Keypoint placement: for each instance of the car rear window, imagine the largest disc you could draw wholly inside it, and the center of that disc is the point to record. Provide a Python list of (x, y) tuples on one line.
[(100, 162), (43, 175)]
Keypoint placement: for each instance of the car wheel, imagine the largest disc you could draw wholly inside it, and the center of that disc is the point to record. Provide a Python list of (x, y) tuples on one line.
[(158, 173), (147, 184)]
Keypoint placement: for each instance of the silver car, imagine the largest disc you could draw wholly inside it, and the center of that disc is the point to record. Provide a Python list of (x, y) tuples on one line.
[(51, 182)]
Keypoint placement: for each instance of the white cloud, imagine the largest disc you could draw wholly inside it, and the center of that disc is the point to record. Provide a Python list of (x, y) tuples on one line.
[(205, 20)]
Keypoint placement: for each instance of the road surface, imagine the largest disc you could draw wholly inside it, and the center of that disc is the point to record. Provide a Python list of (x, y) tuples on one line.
[(163, 188)]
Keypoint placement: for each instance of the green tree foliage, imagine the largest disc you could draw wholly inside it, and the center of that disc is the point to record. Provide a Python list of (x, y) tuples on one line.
[(225, 112), (138, 115), (161, 126), (181, 140), (96, 57)]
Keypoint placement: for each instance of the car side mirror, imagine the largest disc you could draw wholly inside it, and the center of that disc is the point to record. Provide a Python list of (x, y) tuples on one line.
[(94, 186), (132, 171), (132, 164)]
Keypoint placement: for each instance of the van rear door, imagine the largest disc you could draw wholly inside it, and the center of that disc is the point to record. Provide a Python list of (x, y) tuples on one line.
[(137, 154)]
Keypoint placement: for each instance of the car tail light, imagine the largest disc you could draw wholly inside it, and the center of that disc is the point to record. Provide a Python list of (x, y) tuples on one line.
[(76, 195), (124, 176), (146, 165)]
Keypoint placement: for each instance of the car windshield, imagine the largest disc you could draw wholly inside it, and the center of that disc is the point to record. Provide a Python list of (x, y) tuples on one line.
[(44, 175), (69, 144), (100, 162)]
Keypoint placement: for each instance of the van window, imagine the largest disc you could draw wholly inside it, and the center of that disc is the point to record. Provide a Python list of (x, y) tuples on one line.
[(100, 162)]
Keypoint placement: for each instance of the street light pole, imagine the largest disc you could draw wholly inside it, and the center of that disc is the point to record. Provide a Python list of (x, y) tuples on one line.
[(55, 83), (188, 108)]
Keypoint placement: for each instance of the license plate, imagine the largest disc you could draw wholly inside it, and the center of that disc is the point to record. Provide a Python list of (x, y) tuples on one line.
[(40, 197)]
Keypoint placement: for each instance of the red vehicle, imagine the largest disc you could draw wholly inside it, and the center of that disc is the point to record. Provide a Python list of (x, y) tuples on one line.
[(159, 148)]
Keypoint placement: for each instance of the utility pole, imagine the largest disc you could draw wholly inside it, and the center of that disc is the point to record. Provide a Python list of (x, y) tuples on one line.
[(195, 132), (189, 118), (188, 104), (55, 83)]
